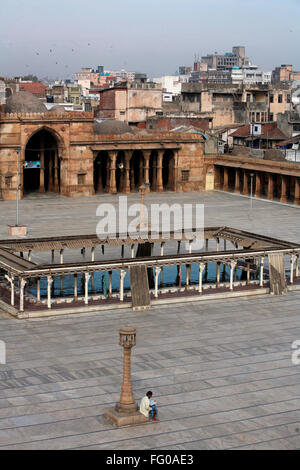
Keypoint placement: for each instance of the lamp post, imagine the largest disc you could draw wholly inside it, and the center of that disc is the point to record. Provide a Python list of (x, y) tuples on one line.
[(251, 189)]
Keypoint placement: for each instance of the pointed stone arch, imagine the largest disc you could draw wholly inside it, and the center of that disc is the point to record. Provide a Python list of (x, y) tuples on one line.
[(42, 161)]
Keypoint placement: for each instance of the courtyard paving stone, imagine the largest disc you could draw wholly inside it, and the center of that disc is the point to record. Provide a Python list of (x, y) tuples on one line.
[(221, 371)]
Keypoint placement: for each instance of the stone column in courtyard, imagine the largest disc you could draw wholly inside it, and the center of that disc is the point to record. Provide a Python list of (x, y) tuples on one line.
[(270, 187), (126, 188), (126, 410), (225, 181), (283, 196), (159, 181), (147, 154), (258, 180), (42, 167), (176, 171), (113, 186), (245, 183), (154, 173), (237, 181), (297, 191)]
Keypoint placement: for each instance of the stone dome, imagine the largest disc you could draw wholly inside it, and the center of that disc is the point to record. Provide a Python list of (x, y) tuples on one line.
[(24, 102), (57, 109), (112, 126)]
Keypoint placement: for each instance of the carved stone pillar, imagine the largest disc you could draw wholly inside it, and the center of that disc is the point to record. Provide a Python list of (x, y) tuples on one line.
[(122, 275), (157, 272), (86, 287), (245, 183), (113, 186), (232, 267), (126, 188), (225, 180), (127, 340), (237, 181), (126, 410), (270, 187), (38, 290), (159, 181), (283, 196), (201, 269), (147, 154), (258, 188), (22, 287), (49, 282), (176, 170)]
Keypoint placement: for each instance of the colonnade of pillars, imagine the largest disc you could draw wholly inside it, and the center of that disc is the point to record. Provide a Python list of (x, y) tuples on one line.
[(158, 270), (127, 177), (276, 184), (53, 168)]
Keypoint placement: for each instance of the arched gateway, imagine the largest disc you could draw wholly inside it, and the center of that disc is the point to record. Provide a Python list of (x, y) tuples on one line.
[(41, 170)]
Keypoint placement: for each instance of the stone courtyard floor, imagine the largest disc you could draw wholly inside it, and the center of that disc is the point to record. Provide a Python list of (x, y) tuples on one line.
[(221, 371)]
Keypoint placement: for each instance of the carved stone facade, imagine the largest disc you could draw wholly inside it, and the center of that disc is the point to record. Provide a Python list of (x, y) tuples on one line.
[(61, 153)]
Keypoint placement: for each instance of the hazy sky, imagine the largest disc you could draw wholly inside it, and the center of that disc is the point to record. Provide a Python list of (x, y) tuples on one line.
[(152, 36)]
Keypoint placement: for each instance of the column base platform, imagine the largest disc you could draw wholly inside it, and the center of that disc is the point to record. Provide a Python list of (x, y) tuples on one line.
[(124, 419), (17, 230)]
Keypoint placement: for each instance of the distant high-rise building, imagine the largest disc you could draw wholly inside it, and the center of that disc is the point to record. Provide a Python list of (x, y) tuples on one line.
[(228, 60)]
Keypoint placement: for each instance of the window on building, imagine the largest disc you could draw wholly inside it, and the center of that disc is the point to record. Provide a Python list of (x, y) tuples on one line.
[(271, 117), (81, 178), (288, 98), (185, 175), (257, 117), (271, 98), (279, 98), (296, 127), (248, 97), (77, 100), (122, 112)]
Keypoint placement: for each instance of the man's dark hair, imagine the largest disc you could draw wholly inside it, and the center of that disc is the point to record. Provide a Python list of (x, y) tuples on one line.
[(149, 393)]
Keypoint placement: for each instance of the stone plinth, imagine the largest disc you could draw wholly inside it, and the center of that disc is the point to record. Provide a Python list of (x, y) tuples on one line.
[(17, 230), (124, 419)]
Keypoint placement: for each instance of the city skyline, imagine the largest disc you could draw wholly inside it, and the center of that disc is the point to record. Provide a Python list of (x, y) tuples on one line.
[(56, 39)]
